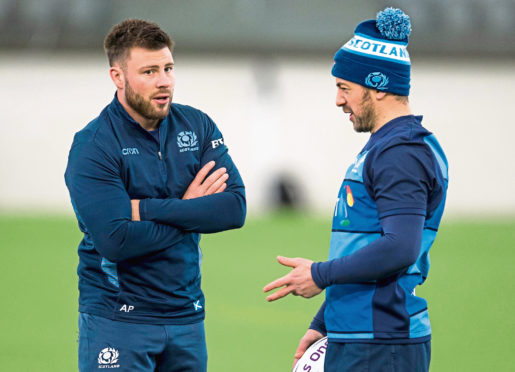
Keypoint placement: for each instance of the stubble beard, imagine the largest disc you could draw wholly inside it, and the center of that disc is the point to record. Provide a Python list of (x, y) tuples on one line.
[(367, 120), (144, 106)]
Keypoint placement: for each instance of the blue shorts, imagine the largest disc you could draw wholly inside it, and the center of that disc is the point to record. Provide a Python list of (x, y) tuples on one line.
[(106, 344), (357, 357)]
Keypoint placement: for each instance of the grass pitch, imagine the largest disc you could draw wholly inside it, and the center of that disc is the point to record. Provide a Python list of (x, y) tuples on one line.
[(470, 291)]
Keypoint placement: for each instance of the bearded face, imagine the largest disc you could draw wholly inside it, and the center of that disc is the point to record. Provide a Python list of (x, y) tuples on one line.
[(152, 107), (365, 121), (145, 80)]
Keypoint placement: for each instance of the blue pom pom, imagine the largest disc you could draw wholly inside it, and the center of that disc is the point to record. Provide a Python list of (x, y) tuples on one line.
[(393, 24)]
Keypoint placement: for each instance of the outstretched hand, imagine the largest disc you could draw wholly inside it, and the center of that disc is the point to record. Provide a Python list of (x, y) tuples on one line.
[(202, 186), (298, 282)]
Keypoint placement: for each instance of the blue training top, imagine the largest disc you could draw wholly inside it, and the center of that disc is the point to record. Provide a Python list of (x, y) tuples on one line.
[(386, 218), (147, 271)]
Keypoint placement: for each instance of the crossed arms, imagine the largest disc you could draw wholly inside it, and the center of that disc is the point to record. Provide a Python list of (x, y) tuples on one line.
[(105, 210), (203, 207), (199, 187)]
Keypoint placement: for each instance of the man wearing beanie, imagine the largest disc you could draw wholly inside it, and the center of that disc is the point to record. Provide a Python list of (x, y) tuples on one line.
[(386, 217)]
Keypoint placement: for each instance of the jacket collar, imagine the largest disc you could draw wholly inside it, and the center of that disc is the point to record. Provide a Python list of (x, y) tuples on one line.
[(391, 125)]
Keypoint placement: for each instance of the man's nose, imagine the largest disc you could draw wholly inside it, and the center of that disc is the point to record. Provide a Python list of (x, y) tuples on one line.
[(164, 80), (340, 100)]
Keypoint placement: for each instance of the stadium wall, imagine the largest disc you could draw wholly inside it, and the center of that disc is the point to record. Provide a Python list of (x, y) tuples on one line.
[(278, 118)]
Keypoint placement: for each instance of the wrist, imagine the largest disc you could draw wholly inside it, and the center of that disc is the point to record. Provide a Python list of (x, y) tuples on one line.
[(135, 210)]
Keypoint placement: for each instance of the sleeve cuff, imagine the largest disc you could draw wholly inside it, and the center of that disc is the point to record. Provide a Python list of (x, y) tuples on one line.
[(159, 210), (318, 326), (143, 212), (316, 267)]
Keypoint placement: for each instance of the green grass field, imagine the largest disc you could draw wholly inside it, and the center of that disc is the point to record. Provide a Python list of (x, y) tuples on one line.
[(470, 290)]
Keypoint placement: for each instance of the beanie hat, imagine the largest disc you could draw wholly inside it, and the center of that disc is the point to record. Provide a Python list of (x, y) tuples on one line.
[(377, 56)]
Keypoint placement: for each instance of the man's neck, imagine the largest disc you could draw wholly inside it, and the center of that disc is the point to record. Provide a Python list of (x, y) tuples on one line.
[(388, 113)]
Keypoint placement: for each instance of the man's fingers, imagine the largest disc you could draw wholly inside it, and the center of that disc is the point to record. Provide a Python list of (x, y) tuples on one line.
[(217, 184), (280, 293), (295, 362), (221, 188), (201, 186), (303, 346), (276, 283), (304, 343), (300, 352), (213, 177), (290, 262), (202, 173)]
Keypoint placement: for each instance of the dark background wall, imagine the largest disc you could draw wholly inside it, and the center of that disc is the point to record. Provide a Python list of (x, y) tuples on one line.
[(441, 27)]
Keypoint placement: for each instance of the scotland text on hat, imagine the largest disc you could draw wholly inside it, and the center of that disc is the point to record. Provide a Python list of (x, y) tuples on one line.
[(390, 51)]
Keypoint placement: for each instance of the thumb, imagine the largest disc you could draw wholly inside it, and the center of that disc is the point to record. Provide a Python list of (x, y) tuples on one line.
[(286, 261)]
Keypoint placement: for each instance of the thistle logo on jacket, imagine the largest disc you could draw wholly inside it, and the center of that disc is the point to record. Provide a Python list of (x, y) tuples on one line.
[(187, 141), (108, 358)]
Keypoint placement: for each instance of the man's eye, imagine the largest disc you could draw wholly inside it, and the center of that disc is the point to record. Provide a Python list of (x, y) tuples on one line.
[(147, 72), (168, 69)]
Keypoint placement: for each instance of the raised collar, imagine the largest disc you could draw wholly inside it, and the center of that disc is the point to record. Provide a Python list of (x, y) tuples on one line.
[(391, 125)]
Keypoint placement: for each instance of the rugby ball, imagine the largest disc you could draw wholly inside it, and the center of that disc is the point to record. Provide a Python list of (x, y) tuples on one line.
[(313, 359)]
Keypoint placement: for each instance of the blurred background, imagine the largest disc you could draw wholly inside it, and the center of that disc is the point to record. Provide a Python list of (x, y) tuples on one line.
[(261, 70)]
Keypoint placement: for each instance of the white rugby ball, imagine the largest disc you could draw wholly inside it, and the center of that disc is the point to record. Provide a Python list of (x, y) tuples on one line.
[(313, 359)]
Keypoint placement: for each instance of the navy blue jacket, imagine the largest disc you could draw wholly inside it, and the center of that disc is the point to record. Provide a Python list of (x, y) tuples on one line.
[(147, 271), (386, 219)]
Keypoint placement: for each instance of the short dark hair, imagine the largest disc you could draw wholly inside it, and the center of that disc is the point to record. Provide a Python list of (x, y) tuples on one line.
[(134, 33), (400, 98)]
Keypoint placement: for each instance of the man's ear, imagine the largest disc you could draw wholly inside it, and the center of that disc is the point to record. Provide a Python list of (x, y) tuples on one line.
[(380, 95), (116, 73)]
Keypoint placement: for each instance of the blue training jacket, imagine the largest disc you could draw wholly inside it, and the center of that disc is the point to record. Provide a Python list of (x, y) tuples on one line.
[(386, 310), (147, 271)]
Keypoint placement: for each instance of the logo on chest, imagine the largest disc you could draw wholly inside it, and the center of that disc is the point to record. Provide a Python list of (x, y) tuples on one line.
[(345, 200), (130, 151), (187, 141)]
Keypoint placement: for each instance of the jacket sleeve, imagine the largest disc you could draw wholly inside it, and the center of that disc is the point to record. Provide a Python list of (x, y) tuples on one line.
[(392, 253), (400, 182), (318, 323), (207, 214), (103, 207)]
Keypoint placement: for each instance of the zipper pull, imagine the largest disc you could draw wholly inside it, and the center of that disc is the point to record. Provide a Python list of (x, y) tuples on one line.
[(159, 154)]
